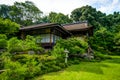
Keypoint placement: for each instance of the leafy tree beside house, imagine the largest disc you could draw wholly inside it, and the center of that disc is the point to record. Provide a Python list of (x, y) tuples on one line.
[(8, 27), (7, 30), (94, 17)]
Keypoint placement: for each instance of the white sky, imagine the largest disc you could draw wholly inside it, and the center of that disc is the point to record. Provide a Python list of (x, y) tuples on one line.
[(66, 6)]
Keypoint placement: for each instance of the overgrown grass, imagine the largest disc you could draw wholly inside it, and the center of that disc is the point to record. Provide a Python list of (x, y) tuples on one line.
[(105, 70)]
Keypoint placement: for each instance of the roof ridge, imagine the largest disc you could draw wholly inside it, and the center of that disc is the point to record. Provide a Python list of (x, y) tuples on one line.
[(78, 22)]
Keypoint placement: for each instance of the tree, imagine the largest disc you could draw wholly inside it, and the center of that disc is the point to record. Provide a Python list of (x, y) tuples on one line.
[(4, 11), (22, 13), (8, 27), (59, 18), (112, 20), (117, 42), (102, 40), (90, 14)]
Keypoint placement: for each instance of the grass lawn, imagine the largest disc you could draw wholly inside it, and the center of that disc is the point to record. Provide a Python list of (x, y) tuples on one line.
[(104, 70)]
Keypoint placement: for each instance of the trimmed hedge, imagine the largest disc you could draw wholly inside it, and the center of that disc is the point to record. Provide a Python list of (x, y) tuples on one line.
[(26, 67)]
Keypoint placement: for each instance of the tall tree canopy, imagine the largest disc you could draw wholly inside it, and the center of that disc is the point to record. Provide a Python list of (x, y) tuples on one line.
[(54, 17), (22, 13), (88, 13), (4, 11)]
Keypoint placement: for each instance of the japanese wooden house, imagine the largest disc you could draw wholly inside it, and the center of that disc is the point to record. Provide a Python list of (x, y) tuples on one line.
[(50, 32)]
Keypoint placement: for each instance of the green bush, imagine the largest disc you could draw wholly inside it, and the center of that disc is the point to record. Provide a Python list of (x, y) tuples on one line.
[(30, 43), (3, 44), (14, 71), (14, 45), (102, 40), (3, 41), (26, 67), (58, 52), (73, 45), (3, 36), (40, 64), (33, 68)]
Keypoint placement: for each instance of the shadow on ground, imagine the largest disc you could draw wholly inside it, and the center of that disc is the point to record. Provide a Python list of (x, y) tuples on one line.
[(114, 60), (92, 67)]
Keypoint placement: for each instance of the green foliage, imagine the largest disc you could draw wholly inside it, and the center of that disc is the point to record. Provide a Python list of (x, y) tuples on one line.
[(102, 40), (4, 10), (3, 41), (3, 36), (8, 27), (26, 67), (73, 45), (30, 43), (33, 68), (14, 71), (14, 45), (94, 17), (58, 51), (39, 64), (59, 18), (117, 43), (21, 13)]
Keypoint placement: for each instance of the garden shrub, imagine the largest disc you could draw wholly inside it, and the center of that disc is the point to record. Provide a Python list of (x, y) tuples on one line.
[(3, 41), (33, 68), (3, 44), (40, 64), (102, 41), (3, 36), (58, 51), (73, 45), (26, 67), (14, 71), (14, 45), (30, 43)]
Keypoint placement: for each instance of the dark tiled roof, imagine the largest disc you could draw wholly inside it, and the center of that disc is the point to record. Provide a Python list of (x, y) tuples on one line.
[(44, 25), (38, 26), (76, 26)]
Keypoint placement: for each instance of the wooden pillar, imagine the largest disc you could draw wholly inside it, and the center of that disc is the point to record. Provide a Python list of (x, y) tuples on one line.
[(53, 36), (22, 35), (50, 38)]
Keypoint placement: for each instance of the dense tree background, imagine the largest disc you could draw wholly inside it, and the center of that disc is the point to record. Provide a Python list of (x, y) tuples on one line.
[(54, 17), (94, 17), (21, 13)]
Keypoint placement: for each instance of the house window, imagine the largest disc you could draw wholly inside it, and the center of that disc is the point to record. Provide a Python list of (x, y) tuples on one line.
[(56, 38), (45, 38)]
